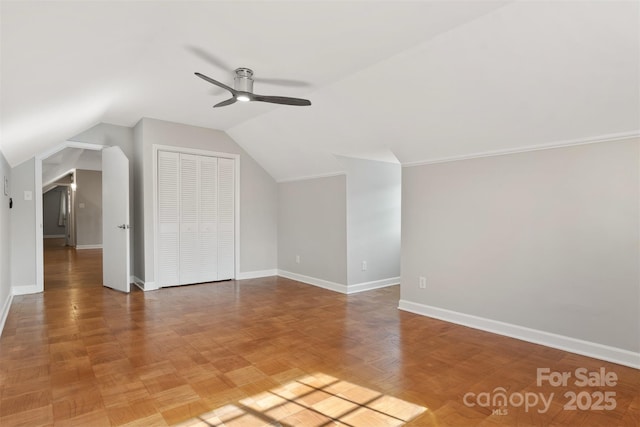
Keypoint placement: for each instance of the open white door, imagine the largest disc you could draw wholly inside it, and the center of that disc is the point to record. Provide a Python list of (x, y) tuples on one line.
[(115, 219)]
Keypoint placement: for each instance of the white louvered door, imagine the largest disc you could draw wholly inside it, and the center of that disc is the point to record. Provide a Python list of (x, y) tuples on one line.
[(226, 223), (168, 218), (189, 263), (208, 227), (196, 218)]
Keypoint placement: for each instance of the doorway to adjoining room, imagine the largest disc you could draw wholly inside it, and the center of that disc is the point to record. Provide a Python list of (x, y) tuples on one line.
[(72, 218)]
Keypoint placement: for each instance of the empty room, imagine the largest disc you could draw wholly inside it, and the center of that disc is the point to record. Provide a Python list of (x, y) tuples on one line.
[(288, 213)]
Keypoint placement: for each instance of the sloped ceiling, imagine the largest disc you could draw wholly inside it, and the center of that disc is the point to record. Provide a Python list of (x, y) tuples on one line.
[(68, 159), (412, 81)]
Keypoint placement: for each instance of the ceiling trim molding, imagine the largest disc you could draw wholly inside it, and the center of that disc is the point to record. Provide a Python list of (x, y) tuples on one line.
[(557, 144), (303, 178), (69, 144)]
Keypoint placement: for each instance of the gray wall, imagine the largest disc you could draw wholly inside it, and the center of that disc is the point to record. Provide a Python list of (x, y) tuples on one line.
[(258, 193), (23, 230), (51, 212), (547, 240), (89, 217), (373, 219), (5, 236), (138, 230), (312, 224)]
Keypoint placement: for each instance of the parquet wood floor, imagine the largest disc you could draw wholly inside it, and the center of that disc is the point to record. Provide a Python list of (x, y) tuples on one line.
[(270, 351)]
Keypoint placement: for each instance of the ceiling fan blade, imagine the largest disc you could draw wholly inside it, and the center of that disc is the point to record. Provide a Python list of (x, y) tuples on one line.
[(282, 82), (216, 91), (215, 82), (225, 103), (281, 100), (209, 57)]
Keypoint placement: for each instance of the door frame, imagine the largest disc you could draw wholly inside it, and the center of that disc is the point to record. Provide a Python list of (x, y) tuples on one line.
[(38, 202), (236, 207)]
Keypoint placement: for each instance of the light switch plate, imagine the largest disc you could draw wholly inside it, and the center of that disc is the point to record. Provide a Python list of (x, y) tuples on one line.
[(28, 195)]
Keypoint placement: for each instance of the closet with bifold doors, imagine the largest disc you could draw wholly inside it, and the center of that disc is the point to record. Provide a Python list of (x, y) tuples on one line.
[(196, 218)]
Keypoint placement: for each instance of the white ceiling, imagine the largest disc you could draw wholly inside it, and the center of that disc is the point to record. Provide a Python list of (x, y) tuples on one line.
[(415, 81)]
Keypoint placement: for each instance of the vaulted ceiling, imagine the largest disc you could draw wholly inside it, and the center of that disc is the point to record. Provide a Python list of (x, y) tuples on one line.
[(395, 81)]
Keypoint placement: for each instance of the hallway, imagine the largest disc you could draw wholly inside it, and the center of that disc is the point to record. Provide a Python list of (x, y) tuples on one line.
[(66, 267)]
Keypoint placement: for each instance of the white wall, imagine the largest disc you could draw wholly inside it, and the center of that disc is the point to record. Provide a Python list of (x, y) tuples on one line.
[(373, 220), (258, 193), (547, 240), (91, 160), (53, 172), (312, 224), (23, 232), (88, 208), (108, 134), (5, 244)]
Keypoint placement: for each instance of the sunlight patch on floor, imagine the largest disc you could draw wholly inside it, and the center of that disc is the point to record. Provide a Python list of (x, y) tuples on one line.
[(312, 400)]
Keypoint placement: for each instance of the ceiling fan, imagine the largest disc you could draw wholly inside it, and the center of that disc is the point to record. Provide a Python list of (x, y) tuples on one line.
[(243, 90)]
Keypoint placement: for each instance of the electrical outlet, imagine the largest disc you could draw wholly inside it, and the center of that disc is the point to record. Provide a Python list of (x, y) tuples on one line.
[(297, 259), (422, 282), (364, 265)]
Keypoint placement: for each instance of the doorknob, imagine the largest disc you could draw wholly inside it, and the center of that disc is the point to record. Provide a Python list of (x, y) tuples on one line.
[(124, 226)]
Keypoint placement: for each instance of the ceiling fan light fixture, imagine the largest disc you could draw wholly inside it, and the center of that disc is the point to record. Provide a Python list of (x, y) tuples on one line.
[(243, 97)]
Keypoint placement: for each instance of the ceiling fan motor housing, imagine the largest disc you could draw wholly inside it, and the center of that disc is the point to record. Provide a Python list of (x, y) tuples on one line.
[(243, 81)]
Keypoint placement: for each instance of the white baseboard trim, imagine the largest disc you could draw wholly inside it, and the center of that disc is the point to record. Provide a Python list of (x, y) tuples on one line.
[(376, 284), (53, 236), (325, 284), (145, 286), (573, 345), (338, 287), (256, 274), (5, 312), (25, 290), (80, 247)]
